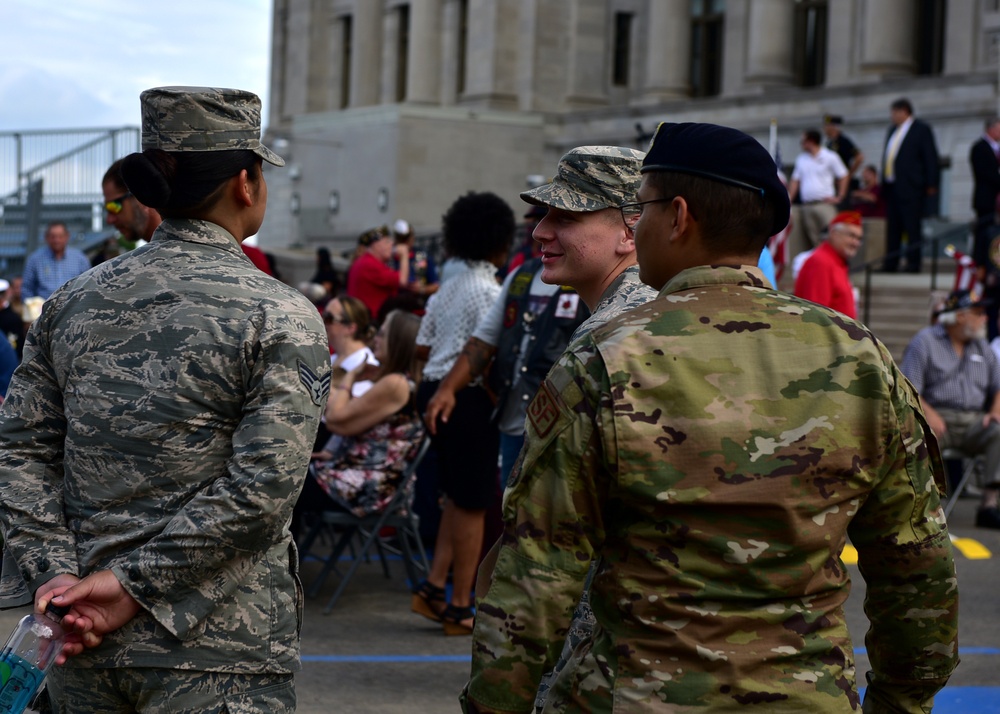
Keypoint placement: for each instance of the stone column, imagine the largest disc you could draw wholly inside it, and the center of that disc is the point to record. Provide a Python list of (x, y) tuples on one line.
[(769, 36), (366, 54), (668, 49), (887, 35), (390, 60), (423, 70), (491, 61), (588, 53)]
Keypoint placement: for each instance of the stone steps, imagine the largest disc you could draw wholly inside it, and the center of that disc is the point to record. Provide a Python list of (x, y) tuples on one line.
[(900, 306)]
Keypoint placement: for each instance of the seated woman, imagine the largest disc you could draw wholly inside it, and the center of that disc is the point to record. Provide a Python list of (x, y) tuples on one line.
[(380, 429), (348, 331)]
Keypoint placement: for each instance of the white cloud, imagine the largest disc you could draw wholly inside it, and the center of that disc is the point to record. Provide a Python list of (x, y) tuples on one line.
[(84, 63)]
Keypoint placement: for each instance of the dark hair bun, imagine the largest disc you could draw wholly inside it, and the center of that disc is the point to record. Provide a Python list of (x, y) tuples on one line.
[(148, 176)]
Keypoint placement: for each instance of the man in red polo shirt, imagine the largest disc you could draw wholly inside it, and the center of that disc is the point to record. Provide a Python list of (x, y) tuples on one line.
[(824, 278), (370, 279)]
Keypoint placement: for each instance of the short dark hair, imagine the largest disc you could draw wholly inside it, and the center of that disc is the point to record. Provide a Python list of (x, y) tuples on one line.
[(478, 226), (184, 184), (814, 136), (114, 175), (52, 224), (902, 103), (731, 219)]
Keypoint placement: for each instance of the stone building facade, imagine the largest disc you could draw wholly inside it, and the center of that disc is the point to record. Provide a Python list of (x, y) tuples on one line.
[(392, 108)]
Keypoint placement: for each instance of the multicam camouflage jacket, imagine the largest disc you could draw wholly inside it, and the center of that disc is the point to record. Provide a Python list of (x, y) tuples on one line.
[(713, 450), (160, 425)]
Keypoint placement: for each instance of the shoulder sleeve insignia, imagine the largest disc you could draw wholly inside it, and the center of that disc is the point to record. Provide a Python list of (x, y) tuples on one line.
[(543, 412), (318, 387)]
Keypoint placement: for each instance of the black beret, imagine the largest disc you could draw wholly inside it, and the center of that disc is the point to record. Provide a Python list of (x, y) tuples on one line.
[(833, 119), (719, 153)]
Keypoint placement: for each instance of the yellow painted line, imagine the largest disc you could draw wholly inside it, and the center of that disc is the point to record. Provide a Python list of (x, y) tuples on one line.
[(971, 549), (968, 547)]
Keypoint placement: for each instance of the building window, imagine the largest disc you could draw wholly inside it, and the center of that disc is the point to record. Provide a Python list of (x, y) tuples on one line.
[(621, 49), (930, 36), (402, 51), (706, 47), (346, 37), (463, 41), (810, 42)]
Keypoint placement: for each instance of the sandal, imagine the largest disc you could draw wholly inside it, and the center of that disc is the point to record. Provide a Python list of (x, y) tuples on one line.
[(453, 618), (429, 601)]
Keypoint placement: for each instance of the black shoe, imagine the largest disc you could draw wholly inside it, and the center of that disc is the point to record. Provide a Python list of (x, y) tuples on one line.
[(988, 518)]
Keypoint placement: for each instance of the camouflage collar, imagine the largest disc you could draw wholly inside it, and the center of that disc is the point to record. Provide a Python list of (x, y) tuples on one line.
[(706, 275), (197, 231)]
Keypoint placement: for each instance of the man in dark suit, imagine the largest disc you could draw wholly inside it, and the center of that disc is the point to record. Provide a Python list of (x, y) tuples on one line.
[(910, 180), (986, 174)]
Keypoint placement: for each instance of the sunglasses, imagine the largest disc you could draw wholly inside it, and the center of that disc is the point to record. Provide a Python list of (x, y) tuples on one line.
[(115, 205), (331, 320)]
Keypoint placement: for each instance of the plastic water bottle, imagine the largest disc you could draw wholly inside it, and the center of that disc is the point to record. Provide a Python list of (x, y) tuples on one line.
[(28, 655)]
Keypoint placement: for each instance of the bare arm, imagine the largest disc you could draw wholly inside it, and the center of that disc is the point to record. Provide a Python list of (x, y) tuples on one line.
[(934, 420), (842, 188), (402, 252), (349, 416)]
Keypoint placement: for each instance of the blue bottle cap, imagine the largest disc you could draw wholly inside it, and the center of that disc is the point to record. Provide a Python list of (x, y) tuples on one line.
[(57, 610)]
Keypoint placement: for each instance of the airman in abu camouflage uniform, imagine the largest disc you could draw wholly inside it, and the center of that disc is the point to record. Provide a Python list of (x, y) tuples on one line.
[(157, 436), (713, 450)]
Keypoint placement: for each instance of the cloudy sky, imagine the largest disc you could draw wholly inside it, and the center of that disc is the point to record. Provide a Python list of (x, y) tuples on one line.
[(83, 63)]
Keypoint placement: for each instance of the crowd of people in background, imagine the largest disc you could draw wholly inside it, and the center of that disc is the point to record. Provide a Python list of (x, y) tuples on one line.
[(538, 356)]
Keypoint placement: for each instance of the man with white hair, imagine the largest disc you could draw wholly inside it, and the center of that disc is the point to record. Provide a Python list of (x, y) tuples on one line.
[(957, 376)]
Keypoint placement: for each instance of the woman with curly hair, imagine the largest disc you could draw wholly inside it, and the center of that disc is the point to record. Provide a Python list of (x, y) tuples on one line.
[(478, 229)]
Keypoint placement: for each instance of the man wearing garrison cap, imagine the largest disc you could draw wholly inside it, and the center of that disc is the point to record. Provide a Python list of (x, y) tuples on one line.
[(824, 276), (712, 450)]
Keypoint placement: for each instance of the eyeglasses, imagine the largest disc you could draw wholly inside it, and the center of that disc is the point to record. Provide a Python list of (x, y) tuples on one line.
[(115, 205), (632, 212), (333, 320)]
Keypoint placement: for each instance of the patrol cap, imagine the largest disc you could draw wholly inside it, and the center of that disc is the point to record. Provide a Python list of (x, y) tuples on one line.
[(203, 119), (591, 178), (719, 153), (962, 300)]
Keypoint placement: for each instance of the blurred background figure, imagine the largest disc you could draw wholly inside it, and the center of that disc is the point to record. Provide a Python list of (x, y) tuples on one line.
[(371, 277), (377, 430), (326, 275), (49, 267), (348, 330), (528, 248), (423, 281), (867, 198), (477, 228)]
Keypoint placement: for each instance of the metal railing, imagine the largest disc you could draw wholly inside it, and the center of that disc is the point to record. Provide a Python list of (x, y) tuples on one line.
[(956, 233), (50, 175), (70, 162)]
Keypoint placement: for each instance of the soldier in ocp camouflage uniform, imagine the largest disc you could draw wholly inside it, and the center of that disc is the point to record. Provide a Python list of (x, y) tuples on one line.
[(157, 435), (712, 450)]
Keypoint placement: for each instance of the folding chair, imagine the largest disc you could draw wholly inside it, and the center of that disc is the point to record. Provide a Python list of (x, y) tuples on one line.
[(345, 526), (971, 465)]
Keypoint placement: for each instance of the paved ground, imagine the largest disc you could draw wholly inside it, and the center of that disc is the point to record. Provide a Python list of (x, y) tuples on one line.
[(372, 655)]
